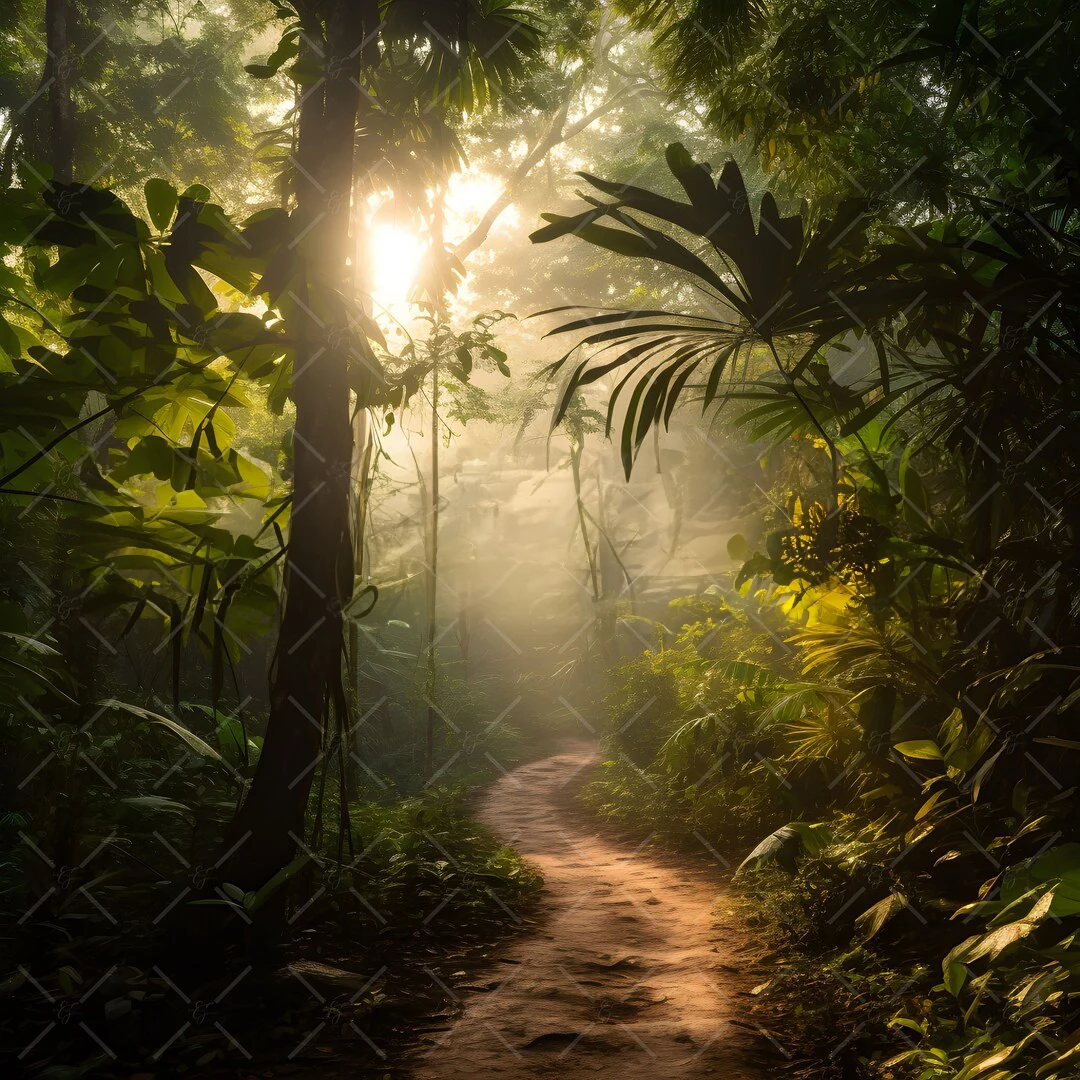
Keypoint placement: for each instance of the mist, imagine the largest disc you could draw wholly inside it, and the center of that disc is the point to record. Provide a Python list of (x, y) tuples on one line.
[(539, 538)]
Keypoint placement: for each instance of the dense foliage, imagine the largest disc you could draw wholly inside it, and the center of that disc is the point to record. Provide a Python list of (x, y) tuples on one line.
[(242, 722), (896, 666)]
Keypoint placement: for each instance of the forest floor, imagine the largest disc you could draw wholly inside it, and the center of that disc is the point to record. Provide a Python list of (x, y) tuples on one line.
[(634, 966)]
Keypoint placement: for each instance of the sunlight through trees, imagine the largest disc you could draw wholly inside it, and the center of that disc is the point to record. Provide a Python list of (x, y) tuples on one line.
[(539, 537)]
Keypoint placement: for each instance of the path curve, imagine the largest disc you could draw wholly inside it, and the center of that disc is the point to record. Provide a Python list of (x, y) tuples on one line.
[(628, 971)]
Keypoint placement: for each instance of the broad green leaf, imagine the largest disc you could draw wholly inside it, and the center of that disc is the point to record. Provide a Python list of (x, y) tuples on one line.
[(230, 736), (287, 50), (954, 975), (161, 200), (990, 945), (786, 845), (10, 345), (1060, 865), (930, 803), (877, 915), (907, 1022), (920, 749), (1063, 744), (979, 1064), (254, 482), (1070, 1057), (285, 874)]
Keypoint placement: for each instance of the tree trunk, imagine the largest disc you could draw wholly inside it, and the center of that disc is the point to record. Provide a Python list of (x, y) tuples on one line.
[(361, 492), (577, 447), (48, 135), (438, 247), (306, 673), (432, 574), (61, 110)]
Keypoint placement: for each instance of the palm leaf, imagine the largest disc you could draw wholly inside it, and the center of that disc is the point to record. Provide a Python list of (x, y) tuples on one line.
[(200, 746), (776, 281)]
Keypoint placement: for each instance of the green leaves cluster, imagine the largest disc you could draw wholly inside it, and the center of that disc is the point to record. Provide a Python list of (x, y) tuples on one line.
[(909, 379), (120, 401)]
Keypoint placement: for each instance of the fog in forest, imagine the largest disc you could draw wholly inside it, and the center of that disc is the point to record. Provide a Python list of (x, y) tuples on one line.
[(539, 537)]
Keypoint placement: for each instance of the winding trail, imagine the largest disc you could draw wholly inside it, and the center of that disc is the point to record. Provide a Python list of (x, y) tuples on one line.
[(628, 972)]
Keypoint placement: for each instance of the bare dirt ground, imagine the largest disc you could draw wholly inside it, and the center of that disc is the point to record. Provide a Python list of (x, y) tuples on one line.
[(633, 970)]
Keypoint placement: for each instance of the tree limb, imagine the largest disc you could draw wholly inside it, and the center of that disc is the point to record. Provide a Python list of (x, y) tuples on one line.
[(556, 133)]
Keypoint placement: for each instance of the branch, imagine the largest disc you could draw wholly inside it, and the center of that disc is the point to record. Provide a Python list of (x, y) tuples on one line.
[(556, 133), (48, 495), (44, 450)]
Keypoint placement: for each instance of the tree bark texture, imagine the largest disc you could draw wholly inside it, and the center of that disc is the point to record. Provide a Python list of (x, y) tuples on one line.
[(306, 673)]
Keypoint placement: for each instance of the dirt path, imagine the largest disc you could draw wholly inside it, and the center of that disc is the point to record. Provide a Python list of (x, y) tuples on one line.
[(628, 972)]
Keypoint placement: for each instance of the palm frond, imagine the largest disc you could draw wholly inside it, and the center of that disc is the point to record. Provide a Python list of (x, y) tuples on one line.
[(763, 281)]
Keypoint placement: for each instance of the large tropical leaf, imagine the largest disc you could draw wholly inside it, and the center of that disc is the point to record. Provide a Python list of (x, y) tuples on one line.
[(472, 53), (765, 281)]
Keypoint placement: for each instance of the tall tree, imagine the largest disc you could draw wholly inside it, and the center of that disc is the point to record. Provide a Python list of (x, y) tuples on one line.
[(57, 78), (117, 92), (338, 37), (458, 55)]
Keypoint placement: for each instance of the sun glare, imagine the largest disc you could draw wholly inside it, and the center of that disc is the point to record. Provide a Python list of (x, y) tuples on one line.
[(469, 194), (396, 258), (396, 254)]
